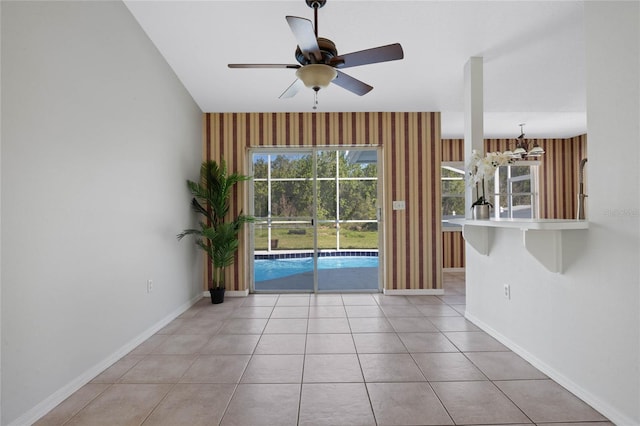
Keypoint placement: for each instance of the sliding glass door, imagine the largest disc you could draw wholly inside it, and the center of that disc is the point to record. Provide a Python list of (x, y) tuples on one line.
[(317, 220), (283, 234)]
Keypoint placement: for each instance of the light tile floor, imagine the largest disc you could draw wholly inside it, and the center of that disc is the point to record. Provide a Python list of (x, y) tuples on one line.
[(329, 359)]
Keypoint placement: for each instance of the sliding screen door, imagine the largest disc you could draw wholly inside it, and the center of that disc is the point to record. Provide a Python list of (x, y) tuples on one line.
[(316, 226)]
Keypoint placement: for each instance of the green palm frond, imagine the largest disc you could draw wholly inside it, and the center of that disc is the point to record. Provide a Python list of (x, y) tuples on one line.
[(189, 232), (200, 209)]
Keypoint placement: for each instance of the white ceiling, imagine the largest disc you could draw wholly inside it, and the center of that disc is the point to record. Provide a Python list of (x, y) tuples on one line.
[(534, 57)]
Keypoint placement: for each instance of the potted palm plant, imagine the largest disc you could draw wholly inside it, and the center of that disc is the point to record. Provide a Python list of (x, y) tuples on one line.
[(218, 233)]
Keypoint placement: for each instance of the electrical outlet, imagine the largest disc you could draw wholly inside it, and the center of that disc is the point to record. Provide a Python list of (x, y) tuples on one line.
[(507, 291), (149, 286)]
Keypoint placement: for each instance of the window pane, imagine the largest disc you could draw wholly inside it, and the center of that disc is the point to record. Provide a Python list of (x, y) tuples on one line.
[(451, 172), (261, 201), (359, 236), (358, 199), (522, 186), (453, 187), (283, 237), (326, 200), (519, 171), (491, 187), (327, 238), (521, 206), (326, 164), (362, 165), (260, 165), (291, 166), (291, 199), (452, 206)]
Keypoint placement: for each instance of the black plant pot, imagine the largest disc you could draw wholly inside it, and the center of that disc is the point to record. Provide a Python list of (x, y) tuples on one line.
[(217, 295)]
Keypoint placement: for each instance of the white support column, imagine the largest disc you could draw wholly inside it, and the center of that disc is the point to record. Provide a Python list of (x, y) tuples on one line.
[(473, 119)]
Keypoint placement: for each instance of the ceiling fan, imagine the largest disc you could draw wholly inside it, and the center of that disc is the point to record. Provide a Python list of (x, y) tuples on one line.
[(318, 61)]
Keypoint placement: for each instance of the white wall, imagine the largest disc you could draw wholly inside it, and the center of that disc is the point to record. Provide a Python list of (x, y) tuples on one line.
[(583, 327), (98, 138)]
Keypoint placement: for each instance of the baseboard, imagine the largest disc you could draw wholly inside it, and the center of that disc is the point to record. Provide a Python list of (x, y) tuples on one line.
[(230, 293), (237, 293), (602, 407), (453, 269), (413, 292), (66, 391)]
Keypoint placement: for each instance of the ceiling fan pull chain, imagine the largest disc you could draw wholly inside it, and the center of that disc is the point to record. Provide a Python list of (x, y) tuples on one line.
[(315, 99)]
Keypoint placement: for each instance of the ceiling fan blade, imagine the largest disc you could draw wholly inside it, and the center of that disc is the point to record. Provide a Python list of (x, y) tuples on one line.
[(292, 90), (391, 52), (351, 84), (303, 31), (291, 66)]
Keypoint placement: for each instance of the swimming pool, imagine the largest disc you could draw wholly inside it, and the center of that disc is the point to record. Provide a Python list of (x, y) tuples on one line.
[(269, 269)]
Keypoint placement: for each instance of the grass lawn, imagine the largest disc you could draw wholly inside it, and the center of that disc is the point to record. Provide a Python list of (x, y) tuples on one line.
[(349, 239)]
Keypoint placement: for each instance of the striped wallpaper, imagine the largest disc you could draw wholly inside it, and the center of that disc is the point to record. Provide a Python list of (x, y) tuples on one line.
[(558, 182), (411, 156), (452, 249)]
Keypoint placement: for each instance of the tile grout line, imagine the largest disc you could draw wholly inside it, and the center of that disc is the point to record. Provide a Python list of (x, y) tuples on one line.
[(236, 385), (513, 402), (88, 402), (304, 359), (364, 380)]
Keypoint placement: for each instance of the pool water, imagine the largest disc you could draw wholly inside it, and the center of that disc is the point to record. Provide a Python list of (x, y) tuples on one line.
[(270, 269)]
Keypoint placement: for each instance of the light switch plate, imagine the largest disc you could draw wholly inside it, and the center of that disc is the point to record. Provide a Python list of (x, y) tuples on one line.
[(398, 205)]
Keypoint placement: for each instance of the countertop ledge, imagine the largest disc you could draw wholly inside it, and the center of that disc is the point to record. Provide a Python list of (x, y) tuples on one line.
[(542, 238), (524, 224)]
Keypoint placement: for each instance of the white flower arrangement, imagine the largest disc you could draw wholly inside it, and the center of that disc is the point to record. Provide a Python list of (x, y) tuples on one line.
[(480, 167)]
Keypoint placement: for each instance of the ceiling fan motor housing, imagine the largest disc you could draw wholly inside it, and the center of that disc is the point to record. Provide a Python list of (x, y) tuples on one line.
[(327, 50), (315, 3)]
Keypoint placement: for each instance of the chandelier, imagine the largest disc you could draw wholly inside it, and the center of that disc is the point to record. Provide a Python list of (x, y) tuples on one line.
[(522, 150)]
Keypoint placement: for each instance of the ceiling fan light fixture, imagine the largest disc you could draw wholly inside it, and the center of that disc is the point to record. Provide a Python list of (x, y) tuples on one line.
[(316, 76)]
